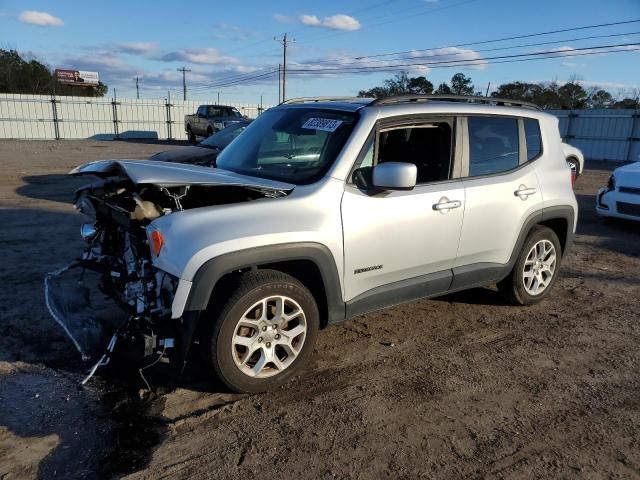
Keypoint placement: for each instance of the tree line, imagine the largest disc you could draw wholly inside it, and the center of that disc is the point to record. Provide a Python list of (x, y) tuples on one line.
[(547, 95), (29, 76)]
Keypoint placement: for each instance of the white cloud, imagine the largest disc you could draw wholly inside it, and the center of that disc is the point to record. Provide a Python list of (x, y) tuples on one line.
[(137, 48), (42, 19), (451, 54), (334, 22), (207, 56), (310, 20)]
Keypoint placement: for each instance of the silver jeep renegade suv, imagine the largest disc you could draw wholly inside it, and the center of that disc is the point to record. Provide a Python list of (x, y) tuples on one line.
[(321, 210)]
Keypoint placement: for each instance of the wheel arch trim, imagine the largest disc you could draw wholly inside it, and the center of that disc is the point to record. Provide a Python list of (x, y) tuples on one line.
[(208, 275), (562, 212)]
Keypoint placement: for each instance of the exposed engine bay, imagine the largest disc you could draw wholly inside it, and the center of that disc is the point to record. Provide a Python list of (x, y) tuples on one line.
[(117, 265)]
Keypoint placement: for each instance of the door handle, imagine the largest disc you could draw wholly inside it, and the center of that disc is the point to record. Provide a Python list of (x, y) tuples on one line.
[(444, 205), (523, 191)]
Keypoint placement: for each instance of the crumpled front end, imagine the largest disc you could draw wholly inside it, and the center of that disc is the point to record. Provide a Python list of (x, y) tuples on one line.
[(113, 288), (114, 292)]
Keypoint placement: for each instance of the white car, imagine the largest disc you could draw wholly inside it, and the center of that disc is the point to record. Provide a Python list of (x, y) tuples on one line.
[(575, 160), (621, 197)]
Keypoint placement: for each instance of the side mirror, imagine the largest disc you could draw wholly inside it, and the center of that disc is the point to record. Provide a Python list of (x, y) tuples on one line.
[(395, 176)]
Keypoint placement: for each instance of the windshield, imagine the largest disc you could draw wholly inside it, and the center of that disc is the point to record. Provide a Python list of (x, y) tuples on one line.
[(294, 145), (213, 111), (224, 137)]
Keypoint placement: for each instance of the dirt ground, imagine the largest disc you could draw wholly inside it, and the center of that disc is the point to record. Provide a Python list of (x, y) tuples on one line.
[(456, 387)]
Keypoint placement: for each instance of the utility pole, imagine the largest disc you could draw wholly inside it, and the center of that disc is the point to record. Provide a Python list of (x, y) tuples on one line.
[(137, 89), (218, 98), (184, 82), (279, 83), (285, 42)]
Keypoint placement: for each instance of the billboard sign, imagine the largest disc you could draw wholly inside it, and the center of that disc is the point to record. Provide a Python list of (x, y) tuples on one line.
[(78, 78)]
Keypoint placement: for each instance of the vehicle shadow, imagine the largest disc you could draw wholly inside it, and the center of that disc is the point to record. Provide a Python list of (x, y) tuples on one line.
[(53, 187), (147, 138), (475, 296)]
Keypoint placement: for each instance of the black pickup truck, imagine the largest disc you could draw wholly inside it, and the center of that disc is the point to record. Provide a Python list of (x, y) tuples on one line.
[(210, 119)]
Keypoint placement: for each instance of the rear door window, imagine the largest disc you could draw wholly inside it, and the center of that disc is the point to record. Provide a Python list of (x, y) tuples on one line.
[(493, 145)]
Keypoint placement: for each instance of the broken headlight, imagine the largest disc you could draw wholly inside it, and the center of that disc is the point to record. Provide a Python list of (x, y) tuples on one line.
[(88, 231)]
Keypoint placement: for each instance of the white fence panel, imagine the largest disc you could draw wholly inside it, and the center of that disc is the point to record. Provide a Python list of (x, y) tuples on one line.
[(26, 116), (47, 117), (84, 117)]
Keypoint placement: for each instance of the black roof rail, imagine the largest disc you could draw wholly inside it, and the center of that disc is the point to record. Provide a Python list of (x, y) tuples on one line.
[(453, 98), (321, 99)]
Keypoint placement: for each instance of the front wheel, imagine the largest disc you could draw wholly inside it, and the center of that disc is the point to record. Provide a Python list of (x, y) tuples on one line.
[(536, 269), (264, 333)]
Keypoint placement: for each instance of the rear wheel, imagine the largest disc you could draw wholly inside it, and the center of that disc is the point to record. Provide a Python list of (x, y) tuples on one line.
[(264, 333), (209, 131), (535, 270)]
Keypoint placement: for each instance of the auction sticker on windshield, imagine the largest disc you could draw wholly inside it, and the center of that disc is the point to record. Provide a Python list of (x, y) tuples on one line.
[(324, 124)]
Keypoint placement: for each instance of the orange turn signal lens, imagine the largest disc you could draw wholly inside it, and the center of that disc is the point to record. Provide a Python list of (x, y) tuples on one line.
[(157, 242)]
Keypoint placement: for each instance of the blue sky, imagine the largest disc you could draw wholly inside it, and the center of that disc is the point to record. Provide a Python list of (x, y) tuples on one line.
[(219, 41)]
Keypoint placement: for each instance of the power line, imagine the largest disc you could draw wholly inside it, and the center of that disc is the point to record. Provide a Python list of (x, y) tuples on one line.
[(245, 78), (233, 79), (239, 80), (553, 54), (438, 55), (459, 63), (501, 39), (561, 52)]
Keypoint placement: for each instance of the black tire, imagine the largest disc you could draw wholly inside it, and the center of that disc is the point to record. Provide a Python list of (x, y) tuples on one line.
[(191, 135), (250, 288), (209, 131), (513, 287), (575, 167)]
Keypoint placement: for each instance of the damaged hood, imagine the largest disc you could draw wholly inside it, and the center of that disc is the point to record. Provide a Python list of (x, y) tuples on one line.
[(168, 174)]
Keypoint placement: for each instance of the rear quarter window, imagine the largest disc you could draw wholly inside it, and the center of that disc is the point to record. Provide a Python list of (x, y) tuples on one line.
[(493, 145), (533, 138)]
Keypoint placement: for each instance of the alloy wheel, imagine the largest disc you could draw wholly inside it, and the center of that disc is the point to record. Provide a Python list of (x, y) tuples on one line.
[(539, 267), (269, 336)]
